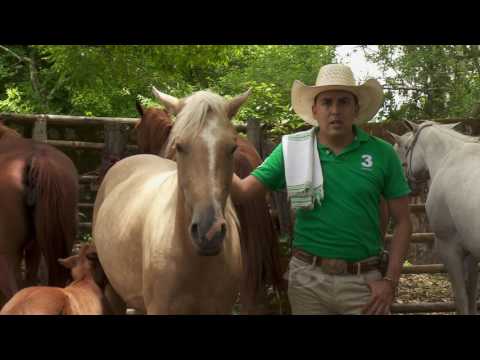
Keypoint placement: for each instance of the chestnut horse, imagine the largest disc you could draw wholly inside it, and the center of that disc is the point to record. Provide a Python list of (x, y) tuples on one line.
[(167, 235), (82, 297), (38, 211), (258, 237)]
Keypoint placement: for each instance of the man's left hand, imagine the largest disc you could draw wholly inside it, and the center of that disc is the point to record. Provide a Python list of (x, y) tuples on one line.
[(383, 294)]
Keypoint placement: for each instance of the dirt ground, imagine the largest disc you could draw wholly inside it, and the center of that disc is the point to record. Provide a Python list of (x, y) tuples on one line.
[(424, 288)]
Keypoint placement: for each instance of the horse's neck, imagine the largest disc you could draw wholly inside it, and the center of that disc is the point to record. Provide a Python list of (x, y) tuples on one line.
[(7, 132), (436, 146), (86, 282)]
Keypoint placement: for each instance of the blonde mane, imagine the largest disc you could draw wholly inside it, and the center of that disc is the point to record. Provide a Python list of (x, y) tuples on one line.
[(193, 117)]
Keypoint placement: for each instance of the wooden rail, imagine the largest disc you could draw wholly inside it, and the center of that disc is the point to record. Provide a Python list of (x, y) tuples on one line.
[(77, 120), (424, 308), (416, 237)]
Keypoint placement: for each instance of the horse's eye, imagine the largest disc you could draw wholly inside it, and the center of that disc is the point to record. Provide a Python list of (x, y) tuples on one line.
[(180, 148)]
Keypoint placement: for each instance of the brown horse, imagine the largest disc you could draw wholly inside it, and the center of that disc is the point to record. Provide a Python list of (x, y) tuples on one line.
[(259, 241), (38, 211), (82, 297)]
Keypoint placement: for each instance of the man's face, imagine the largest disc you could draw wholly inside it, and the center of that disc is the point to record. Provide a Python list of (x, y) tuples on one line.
[(335, 112)]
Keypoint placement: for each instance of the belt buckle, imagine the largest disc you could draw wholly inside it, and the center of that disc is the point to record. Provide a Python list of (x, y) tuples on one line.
[(359, 268), (334, 266)]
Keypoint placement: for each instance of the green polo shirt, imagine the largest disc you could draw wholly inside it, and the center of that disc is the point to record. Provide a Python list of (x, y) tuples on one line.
[(347, 223)]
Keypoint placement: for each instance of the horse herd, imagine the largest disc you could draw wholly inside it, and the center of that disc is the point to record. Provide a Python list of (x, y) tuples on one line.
[(167, 237)]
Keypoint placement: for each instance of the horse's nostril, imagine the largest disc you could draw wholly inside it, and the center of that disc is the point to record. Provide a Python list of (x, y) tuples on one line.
[(223, 230), (194, 231)]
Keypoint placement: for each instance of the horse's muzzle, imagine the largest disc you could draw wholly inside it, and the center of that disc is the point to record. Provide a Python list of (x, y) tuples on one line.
[(208, 239)]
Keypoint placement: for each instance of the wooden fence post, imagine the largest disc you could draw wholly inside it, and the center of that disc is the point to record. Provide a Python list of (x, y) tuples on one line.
[(39, 132), (254, 135), (116, 139)]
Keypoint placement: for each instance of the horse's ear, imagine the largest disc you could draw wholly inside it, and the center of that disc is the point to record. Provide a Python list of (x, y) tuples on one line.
[(453, 126), (172, 104), (395, 137), (69, 262), (411, 126), (236, 102)]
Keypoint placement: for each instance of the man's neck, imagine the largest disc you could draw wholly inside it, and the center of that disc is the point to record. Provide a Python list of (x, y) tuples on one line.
[(336, 143)]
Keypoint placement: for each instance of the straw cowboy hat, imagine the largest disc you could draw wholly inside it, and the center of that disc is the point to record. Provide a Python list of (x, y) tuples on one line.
[(337, 77)]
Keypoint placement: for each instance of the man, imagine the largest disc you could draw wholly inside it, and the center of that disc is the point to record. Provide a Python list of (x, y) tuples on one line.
[(336, 175)]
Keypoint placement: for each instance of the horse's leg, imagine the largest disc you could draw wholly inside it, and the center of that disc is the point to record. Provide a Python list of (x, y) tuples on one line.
[(471, 270), (11, 280), (8, 281), (115, 303), (452, 256)]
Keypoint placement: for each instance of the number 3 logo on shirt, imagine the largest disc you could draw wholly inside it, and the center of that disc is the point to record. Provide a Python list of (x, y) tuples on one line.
[(367, 161)]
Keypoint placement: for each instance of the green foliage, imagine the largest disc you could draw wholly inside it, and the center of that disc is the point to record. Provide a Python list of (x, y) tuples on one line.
[(432, 80), (436, 81), (106, 80), (270, 72), (14, 102)]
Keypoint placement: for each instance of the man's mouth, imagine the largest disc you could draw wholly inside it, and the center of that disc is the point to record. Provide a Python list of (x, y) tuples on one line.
[(336, 122)]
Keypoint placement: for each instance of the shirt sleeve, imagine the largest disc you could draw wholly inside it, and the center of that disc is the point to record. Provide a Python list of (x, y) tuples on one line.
[(395, 183), (271, 172)]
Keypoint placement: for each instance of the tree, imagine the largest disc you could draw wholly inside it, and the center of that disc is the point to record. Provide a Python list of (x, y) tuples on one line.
[(436, 81), (106, 80)]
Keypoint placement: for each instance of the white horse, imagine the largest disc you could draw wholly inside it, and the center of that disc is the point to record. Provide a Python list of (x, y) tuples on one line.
[(451, 161)]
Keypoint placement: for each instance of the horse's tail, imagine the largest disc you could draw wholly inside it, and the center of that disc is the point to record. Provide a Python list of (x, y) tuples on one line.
[(52, 195)]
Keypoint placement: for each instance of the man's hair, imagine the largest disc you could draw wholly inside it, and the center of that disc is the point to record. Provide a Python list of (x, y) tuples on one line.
[(354, 97)]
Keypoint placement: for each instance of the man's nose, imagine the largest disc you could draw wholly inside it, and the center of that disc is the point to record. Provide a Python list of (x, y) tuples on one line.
[(335, 108)]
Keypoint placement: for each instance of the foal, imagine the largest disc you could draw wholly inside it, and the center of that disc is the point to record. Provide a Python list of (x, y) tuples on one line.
[(81, 297)]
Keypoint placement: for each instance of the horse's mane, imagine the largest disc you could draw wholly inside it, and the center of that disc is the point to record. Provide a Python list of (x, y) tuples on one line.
[(193, 117), (453, 133)]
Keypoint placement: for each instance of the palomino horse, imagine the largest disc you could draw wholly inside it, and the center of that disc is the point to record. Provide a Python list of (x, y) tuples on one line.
[(166, 233), (450, 160), (38, 210), (258, 237)]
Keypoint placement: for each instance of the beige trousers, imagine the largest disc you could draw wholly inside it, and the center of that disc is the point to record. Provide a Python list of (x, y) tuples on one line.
[(312, 292)]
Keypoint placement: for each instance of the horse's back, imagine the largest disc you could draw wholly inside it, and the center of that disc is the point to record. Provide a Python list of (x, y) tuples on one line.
[(453, 197), (38, 300), (136, 191), (83, 300)]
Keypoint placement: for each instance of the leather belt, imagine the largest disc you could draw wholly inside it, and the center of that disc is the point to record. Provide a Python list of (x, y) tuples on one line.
[(338, 266)]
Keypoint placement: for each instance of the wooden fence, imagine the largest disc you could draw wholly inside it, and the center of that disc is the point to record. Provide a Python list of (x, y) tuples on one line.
[(116, 145)]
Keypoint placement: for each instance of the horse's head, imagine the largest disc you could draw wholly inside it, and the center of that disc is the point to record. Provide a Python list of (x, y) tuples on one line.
[(203, 141), (411, 153), (85, 263), (153, 129)]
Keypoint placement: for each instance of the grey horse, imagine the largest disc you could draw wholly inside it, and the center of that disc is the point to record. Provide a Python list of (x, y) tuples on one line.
[(450, 160)]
